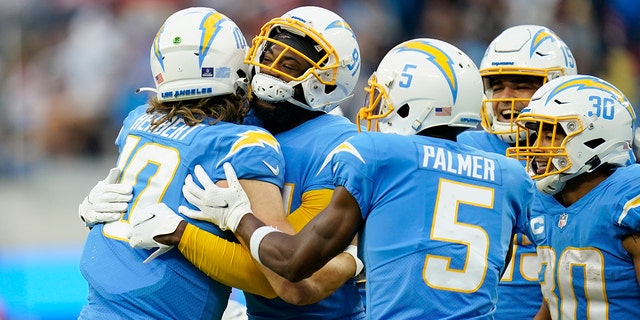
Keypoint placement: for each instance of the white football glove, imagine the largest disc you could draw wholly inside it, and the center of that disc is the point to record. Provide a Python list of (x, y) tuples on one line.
[(154, 220), (221, 206), (106, 201)]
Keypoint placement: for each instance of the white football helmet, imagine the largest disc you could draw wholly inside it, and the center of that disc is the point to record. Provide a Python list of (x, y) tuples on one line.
[(334, 71), (597, 119), (528, 50), (419, 84), (198, 52)]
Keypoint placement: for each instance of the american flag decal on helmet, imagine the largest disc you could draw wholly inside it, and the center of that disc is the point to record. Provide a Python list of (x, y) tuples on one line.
[(443, 111)]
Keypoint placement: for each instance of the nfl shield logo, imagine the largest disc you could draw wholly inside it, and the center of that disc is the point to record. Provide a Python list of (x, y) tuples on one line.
[(563, 220)]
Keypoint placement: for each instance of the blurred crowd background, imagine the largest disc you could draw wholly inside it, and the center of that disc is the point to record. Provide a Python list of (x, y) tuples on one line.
[(69, 70)]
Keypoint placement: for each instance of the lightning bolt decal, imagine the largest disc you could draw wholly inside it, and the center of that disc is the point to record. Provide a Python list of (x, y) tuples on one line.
[(592, 83), (252, 138), (339, 24), (439, 58), (343, 147), (541, 36), (156, 47), (210, 26)]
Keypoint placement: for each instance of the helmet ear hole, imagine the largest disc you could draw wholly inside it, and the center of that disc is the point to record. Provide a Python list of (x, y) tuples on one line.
[(594, 143), (329, 88), (403, 111)]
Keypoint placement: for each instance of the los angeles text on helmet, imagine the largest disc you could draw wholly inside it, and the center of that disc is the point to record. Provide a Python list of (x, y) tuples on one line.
[(186, 92)]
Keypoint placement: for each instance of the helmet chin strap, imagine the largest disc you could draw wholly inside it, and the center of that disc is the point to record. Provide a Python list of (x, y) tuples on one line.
[(271, 89), (147, 89), (555, 183), (417, 123), (298, 103), (509, 137), (550, 185), (336, 103)]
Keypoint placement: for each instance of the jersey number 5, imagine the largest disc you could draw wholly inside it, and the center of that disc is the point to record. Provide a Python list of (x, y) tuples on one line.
[(446, 227)]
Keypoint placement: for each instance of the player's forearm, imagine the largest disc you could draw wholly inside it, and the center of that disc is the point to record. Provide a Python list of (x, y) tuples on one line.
[(317, 287), (288, 256), (334, 274), (543, 312), (203, 249), (224, 261), (302, 292)]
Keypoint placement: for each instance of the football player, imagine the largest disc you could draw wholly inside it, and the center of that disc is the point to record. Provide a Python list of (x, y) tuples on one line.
[(516, 63), (586, 220), (305, 63), (436, 217)]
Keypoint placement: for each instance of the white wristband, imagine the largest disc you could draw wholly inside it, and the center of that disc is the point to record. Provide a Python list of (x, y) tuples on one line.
[(353, 251), (256, 238)]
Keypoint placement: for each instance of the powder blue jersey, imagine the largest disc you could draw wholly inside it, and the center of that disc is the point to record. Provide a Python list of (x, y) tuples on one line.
[(439, 217), (156, 163), (519, 295), (586, 273), (305, 147), (483, 140)]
